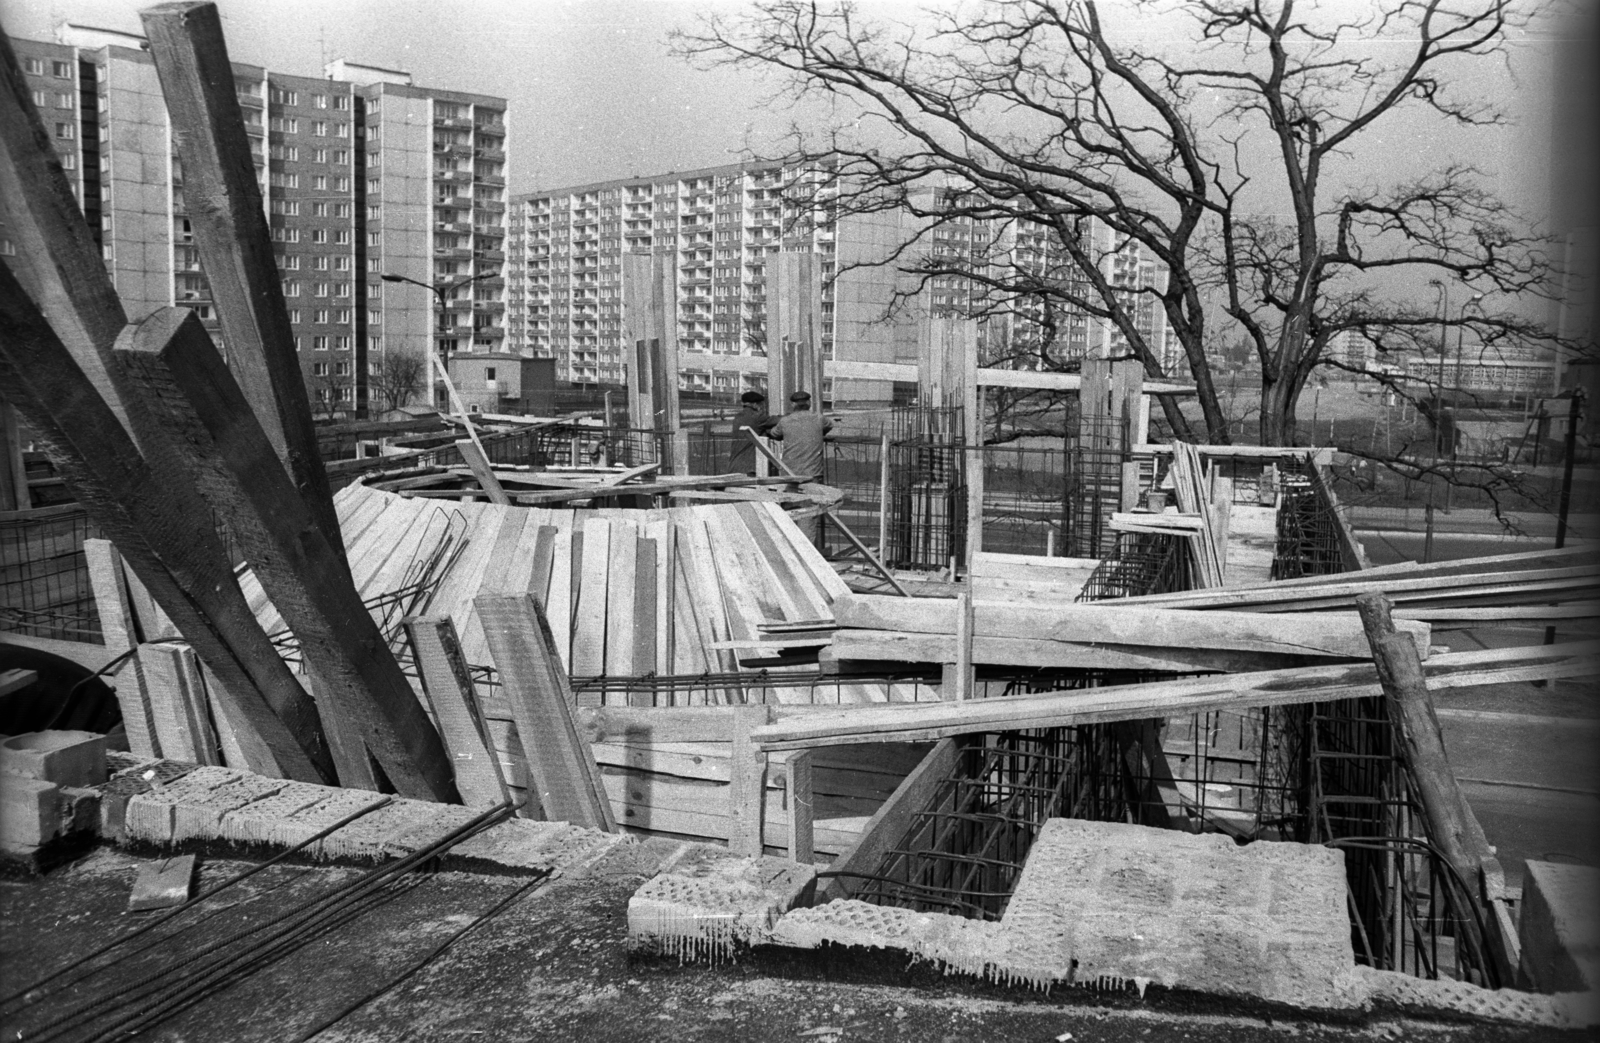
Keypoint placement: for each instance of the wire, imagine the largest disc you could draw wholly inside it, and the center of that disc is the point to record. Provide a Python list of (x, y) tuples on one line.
[(190, 904), (420, 964)]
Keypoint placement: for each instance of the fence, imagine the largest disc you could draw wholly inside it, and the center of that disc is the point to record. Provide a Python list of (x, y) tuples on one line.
[(44, 578)]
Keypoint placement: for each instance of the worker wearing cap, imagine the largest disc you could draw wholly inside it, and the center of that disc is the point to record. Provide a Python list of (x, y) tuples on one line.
[(752, 416), (801, 431)]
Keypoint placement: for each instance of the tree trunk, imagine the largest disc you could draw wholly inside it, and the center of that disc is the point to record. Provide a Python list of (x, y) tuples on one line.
[(1278, 422)]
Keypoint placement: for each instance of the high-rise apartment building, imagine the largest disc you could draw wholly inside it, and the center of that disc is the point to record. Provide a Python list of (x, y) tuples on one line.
[(722, 228), (353, 170)]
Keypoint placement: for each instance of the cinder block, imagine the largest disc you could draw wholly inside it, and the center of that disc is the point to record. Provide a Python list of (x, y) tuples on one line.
[(1560, 927), (80, 810), (30, 811), (709, 901), (62, 757)]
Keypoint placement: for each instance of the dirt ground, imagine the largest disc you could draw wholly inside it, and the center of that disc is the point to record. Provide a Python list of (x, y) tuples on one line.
[(552, 966)]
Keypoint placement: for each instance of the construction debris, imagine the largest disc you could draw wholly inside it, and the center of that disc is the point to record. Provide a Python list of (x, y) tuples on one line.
[(162, 885)]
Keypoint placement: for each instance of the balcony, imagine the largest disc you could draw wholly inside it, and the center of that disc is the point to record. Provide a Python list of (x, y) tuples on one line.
[(451, 226), (490, 255), (453, 122), (461, 176), (453, 253), (493, 153), (250, 100), (494, 206), (490, 179), (495, 332), (460, 202)]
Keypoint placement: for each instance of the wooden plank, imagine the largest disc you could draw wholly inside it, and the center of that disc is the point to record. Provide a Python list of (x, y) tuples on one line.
[(543, 562), (229, 221), (558, 599), (478, 463), (645, 602), (1328, 634), (501, 530), (163, 884), (891, 821), (910, 722), (659, 724), (663, 533), (800, 596), (821, 572), (120, 635), (747, 783), (559, 761), (749, 591), (447, 679), (895, 646), (799, 772), (703, 591), (589, 624), (620, 598), (212, 427)]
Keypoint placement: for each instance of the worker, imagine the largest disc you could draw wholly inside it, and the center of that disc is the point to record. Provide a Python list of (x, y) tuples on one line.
[(801, 431), (752, 416)]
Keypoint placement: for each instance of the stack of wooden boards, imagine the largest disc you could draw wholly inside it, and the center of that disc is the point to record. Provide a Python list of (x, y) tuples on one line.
[(631, 593), (1106, 635), (1204, 504), (1026, 578)]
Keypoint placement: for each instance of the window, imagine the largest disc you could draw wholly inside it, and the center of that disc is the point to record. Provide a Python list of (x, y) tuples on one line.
[(344, 392), (65, 131), (488, 373), (38, 99), (320, 263), (374, 343), (319, 344), (69, 162), (320, 289), (297, 344), (319, 155), (319, 369), (341, 130), (319, 129), (341, 156), (320, 316), (342, 316), (341, 343), (61, 70), (374, 317), (63, 101), (342, 290), (342, 237), (342, 102), (319, 182), (373, 184), (291, 153), (291, 287), (291, 126), (373, 265), (289, 207), (372, 237), (291, 263), (283, 97), (35, 66), (280, 180), (341, 184), (319, 101), (294, 316), (341, 264), (374, 212), (319, 209), (341, 210), (341, 369), (319, 235)]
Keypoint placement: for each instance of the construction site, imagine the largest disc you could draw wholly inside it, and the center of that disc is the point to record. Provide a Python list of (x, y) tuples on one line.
[(615, 724)]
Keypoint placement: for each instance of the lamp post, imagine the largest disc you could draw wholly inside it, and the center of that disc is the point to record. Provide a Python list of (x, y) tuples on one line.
[(441, 293)]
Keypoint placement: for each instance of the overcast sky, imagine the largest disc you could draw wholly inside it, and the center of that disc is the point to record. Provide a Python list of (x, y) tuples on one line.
[(594, 94)]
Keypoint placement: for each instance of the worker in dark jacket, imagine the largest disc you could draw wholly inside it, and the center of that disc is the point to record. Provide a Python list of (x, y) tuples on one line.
[(752, 416), (802, 432)]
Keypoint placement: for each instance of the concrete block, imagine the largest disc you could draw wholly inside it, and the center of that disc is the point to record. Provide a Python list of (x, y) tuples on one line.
[(1559, 927), (1391, 992), (199, 816), (710, 900), (966, 946), (151, 816), (368, 836), (80, 810), (63, 757), (163, 884), (30, 811), (526, 844), (128, 783)]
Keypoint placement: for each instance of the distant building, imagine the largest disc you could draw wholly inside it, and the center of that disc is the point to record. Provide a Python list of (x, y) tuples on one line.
[(500, 382), (362, 174), (723, 225)]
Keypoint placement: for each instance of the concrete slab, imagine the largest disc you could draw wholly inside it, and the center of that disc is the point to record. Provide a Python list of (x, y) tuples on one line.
[(959, 944), (200, 817), (163, 884), (150, 815), (1389, 992), (529, 845), (30, 813), (1559, 927), (1101, 902), (709, 901)]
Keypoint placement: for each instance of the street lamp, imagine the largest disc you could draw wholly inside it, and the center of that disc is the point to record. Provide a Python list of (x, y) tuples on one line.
[(441, 293)]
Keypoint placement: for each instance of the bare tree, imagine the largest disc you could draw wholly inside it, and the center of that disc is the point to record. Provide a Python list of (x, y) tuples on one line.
[(395, 378), (1036, 115)]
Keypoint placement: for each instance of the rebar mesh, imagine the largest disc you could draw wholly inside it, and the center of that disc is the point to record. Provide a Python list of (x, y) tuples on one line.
[(44, 577)]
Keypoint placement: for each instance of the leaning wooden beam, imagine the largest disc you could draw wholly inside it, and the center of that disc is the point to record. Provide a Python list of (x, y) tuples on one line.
[(1329, 634), (211, 426), (661, 724), (164, 530), (891, 821), (235, 243), (912, 722), (447, 680), (117, 629), (900, 647), (855, 541), (478, 463), (561, 765)]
